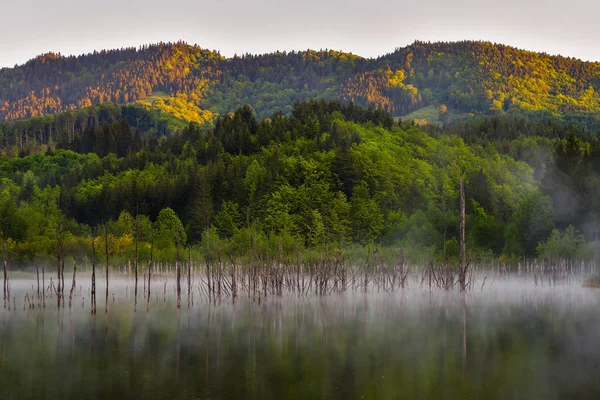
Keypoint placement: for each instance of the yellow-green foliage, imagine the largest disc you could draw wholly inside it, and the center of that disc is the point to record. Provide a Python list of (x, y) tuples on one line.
[(468, 77), (179, 107)]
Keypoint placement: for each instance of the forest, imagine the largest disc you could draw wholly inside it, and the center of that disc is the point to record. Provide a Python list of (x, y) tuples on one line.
[(463, 80), (327, 177)]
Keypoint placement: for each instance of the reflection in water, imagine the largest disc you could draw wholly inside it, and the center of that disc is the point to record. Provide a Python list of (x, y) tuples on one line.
[(510, 340), (464, 333)]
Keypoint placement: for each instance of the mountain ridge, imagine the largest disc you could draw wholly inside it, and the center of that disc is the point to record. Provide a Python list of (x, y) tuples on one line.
[(466, 78), (59, 55)]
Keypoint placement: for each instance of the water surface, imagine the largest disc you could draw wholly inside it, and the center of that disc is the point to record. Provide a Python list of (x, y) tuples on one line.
[(510, 340)]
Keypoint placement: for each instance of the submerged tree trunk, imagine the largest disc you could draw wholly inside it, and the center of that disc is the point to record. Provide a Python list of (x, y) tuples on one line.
[(58, 291), (5, 274), (60, 262), (189, 274), (62, 274), (73, 284), (150, 266), (93, 277), (463, 262), (58, 275)]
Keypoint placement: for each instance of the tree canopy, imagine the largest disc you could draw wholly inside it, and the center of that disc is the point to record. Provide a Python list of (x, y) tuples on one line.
[(328, 174)]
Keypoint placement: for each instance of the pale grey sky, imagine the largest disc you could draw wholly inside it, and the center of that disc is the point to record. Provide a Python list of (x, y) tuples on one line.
[(368, 28)]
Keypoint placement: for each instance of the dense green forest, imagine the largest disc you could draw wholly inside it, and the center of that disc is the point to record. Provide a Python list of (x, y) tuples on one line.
[(24, 137), (328, 176), (458, 80)]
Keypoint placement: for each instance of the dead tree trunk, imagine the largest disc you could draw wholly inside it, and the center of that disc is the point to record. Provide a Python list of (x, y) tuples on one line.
[(93, 277), (463, 261), (189, 282), (43, 287), (58, 276), (37, 271), (4, 263), (62, 273), (73, 284), (150, 266)]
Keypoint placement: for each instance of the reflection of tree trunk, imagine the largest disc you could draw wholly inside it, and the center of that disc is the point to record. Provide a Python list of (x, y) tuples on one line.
[(72, 335), (178, 271), (107, 262), (134, 336), (44, 287), (463, 262), (464, 335), (178, 346), (1, 353), (93, 334), (59, 321), (136, 261), (105, 329)]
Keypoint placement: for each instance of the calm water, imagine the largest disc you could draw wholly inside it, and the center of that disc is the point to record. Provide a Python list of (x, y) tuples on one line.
[(510, 340)]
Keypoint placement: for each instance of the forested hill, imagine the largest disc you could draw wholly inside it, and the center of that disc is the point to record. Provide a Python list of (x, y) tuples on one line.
[(435, 81), (327, 176)]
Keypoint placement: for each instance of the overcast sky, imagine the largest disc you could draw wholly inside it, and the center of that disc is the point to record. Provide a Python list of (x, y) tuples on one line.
[(368, 28)]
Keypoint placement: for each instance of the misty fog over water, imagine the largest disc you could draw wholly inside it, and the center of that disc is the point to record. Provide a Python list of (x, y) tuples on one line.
[(509, 338)]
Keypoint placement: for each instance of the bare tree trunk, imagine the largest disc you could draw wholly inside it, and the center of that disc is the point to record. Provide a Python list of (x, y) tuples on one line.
[(44, 287), (62, 273), (93, 277), (189, 282), (58, 273), (4, 263), (73, 284), (150, 265), (297, 269)]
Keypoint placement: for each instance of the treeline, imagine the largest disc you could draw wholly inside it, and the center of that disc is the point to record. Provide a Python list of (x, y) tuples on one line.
[(327, 176), (28, 136), (469, 78)]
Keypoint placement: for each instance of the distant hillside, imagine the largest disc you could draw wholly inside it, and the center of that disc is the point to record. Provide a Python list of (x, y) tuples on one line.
[(448, 80)]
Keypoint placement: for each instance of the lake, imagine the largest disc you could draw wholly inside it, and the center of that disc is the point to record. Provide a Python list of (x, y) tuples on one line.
[(509, 337)]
